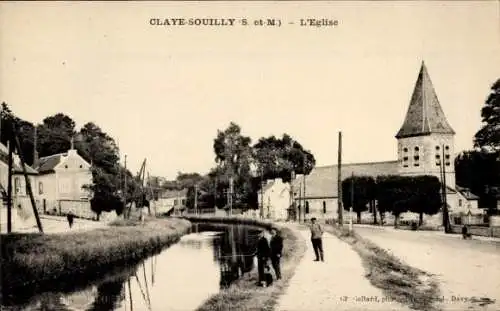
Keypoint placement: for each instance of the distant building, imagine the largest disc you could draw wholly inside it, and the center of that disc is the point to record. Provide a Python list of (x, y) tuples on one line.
[(61, 181), (422, 138), (171, 201), (275, 199)]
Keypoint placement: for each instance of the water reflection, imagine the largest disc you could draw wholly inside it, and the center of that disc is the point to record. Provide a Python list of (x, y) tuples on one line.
[(179, 278)]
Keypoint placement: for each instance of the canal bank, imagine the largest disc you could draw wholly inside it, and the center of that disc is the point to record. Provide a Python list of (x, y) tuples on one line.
[(244, 294), (36, 262)]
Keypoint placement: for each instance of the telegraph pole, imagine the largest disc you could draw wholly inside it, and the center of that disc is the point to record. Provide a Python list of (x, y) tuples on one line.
[(352, 201), (261, 192), (196, 199), (9, 188), (230, 196), (445, 206), (339, 182), (304, 183), (125, 189)]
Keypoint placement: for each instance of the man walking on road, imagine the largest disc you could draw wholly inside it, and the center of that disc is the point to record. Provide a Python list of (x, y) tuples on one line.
[(276, 252), (316, 239)]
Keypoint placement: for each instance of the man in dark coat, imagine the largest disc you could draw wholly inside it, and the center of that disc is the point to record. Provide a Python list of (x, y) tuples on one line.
[(316, 239), (263, 255), (276, 252)]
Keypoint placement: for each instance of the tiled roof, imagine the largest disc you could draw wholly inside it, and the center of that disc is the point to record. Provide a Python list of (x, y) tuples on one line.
[(48, 163), (322, 181), (424, 115)]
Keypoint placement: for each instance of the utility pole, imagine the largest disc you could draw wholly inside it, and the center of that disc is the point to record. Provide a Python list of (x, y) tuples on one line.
[(445, 206), (261, 192), (35, 152), (196, 199), (304, 183), (339, 182), (352, 201), (125, 189), (230, 196), (9, 188)]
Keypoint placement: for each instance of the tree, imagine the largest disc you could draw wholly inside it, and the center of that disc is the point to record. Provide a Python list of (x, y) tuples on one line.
[(479, 172), (363, 194), (234, 156), (277, 158), (489, 134), (54, 134), (425, 195)]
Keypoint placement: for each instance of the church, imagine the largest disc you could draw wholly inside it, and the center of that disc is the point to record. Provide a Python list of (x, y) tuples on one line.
[(423, 139)]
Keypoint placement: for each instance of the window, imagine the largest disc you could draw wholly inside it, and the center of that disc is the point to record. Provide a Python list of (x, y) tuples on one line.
[(81, 166), (176, 201), (438, 160), (460, 202), (183, 202), (437, 148), (40, 188), (307, 207), (405, 157), (324, 207), (416, 156), (65, 166)]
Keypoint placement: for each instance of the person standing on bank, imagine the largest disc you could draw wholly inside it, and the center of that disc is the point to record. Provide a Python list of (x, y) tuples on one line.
[(276, 252), (316, 239), (263, 254)]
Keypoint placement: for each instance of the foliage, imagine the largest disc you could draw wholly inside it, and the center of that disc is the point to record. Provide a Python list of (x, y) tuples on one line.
[(399, 194), (479, 172), (489, 134), (363, 193), (277, 158), (55, 134)]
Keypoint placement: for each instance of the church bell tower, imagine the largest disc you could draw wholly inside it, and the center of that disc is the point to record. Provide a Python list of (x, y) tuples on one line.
[(425, 134)]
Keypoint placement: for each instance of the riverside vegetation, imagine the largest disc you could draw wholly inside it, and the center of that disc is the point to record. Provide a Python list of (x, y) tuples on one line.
[(244, 294), (32, 262)]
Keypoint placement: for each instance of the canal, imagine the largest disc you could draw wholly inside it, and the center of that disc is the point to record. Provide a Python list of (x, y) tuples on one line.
[(181, 277)]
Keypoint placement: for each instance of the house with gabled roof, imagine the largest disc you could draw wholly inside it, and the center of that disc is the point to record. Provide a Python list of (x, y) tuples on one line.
[(274, 199), (425, 142), (21, 202), (61, 182)]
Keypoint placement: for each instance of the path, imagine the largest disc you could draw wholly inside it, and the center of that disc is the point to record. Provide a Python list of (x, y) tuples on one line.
[(321, 285), (465, 268)]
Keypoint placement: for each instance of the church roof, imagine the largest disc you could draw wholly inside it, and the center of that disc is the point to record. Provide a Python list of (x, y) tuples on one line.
[(322, 181), (424, 115)]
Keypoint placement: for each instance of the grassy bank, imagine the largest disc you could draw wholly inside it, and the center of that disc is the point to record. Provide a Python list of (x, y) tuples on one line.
[(244, 294), (37, 261), (405, 284)]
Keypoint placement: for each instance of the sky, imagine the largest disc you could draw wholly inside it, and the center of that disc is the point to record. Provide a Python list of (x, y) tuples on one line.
[(163, 92)]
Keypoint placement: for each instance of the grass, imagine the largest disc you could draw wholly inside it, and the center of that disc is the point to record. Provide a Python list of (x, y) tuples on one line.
[(31, 262), (244, 294), (405, 284)]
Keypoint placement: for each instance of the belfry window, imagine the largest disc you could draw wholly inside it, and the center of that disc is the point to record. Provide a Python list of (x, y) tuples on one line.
[(416, 156), (307, 207), (405, 157)]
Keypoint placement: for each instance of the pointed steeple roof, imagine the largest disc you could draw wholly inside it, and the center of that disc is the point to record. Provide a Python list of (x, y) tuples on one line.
[(425, 115)]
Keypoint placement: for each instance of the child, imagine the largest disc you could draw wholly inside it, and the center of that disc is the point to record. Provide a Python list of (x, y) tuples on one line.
[(268, 277)]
